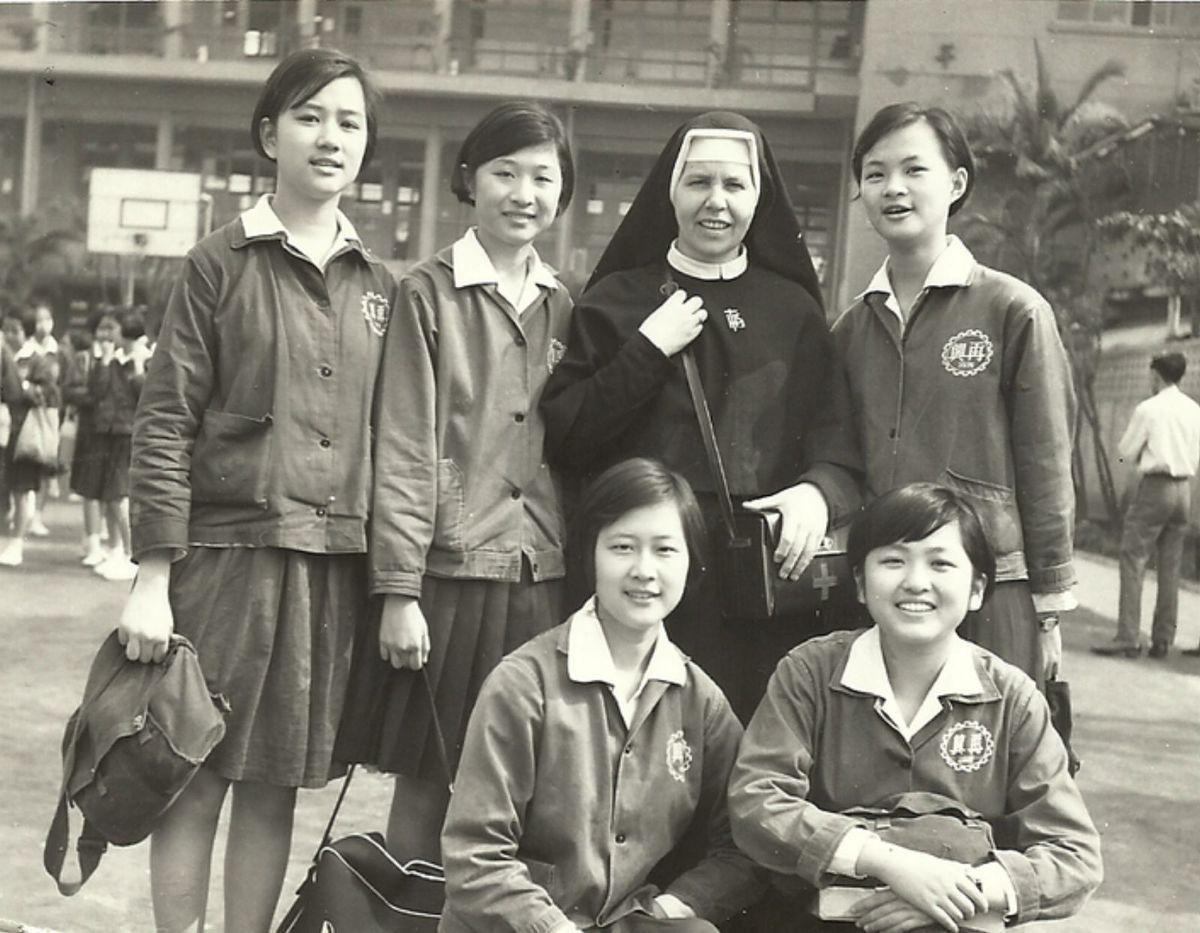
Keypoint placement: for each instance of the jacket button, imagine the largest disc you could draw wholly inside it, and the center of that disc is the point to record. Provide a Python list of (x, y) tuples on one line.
[(519, 341), (325, 442), (620, 839), (320, 511), (326, 371), (516, 494), (629, 749), (519, 417)]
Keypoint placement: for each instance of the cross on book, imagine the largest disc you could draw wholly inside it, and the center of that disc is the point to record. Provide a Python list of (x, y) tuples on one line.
[(823, 580)]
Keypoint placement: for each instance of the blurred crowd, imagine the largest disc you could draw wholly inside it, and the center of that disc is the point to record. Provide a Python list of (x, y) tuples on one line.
[(66, 415)]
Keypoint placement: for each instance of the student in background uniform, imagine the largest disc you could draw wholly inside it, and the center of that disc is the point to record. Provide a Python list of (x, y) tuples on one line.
[(854, 719), (958, 376), (250, 485), (709, 257), (466, 547), (86, 478), (597, 747)]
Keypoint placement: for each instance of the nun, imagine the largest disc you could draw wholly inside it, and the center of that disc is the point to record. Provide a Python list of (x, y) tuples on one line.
[(710, 258)]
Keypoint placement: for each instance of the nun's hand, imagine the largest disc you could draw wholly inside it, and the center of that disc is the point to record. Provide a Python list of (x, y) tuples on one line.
[(805, 521), (675, 323), (403, 633)]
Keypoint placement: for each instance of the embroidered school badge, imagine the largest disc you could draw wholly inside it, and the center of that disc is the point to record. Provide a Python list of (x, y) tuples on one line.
[(679, 756), (554, 353), (376, 312), (967, 746), (967, 353), (733, 317)]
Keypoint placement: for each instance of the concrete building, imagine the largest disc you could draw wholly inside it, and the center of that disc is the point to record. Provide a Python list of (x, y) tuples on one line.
[(170, 85)]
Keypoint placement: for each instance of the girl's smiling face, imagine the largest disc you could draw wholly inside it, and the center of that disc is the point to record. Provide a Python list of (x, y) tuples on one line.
[(516, 195), (714, 204), (318, 143), (918, 592), (908, 186), (642, 565)]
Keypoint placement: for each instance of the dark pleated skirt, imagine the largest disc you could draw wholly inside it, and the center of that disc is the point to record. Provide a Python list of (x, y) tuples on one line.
[(274, 630), (472, 624), (1007, 626)]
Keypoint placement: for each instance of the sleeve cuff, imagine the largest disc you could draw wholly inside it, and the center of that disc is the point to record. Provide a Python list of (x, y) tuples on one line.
[(845, 856), (1055, 602), (396, 583)]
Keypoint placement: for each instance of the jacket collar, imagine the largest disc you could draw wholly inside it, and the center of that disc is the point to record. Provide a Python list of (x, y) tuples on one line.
[(262, 223), (589, 659), (473, 266), (954, 268), (707, 271)]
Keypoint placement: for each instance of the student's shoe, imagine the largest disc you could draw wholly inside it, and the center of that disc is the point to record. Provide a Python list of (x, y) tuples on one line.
[(1117, 649), (117, 567), (13, 553), (38, 529), (1158, 650), (1191, 652), (94, 557)]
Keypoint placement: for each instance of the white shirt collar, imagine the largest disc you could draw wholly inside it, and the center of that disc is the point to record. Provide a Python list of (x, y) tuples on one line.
[(708, 271), (865, 672), (261, 220), (473, 266), (952, 269), (31, 347), (589, 659)]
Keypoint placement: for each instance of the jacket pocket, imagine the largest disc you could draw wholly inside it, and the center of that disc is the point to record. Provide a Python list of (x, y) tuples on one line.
[(996, 506), (542, 874), (451, 507), (231, 459)]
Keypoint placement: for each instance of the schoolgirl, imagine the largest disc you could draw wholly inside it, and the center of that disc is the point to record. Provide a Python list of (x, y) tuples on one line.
[(250, 483), (87, 481), (855, 718), (709, 257), (958, 376), (595, 748), (37, 366), (466, 547)]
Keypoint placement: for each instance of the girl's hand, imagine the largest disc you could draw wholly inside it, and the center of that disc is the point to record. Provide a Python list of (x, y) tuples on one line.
[(885, 912), (147, 622), (944, 890), (805, 522), (403, 633), (1050, 650), (675, 323)]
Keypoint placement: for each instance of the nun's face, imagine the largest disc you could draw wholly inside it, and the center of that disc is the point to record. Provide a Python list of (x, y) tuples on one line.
[(714, 204)]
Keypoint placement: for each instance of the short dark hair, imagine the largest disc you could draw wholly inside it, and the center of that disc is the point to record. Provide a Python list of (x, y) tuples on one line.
[(132, 323), (1171, 366), (893, 117), (913, 512), (635, 484), (510, 127), (301, 75)]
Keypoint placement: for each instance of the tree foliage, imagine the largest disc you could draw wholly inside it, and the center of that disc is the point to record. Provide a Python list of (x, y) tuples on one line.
[(1171, 243)]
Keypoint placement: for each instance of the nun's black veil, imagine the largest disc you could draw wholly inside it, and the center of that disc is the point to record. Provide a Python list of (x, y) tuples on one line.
[(648, 229)]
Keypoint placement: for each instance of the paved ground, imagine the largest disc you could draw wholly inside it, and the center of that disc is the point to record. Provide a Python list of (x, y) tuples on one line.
[(1137, 729)]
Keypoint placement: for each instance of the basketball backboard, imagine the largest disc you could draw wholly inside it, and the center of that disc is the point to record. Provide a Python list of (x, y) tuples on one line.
[(142, 212)]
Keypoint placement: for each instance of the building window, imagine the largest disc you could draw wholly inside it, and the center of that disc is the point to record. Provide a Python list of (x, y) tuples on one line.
[(352, 21), (1139, 14)]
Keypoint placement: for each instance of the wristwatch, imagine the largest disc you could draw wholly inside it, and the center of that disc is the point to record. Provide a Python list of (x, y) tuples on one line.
[(1047, 622)]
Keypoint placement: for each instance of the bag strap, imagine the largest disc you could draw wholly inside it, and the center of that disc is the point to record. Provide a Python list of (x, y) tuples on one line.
[(704, 419)]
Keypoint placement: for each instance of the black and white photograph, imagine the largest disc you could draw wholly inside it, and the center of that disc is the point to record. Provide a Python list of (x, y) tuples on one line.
[(599, 466)]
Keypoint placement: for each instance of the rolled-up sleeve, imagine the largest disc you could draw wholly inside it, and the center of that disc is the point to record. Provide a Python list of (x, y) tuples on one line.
[(178, 386), (1046, 841), (771, 818)]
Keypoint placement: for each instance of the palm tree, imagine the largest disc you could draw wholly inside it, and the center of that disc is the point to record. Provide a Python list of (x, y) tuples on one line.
[(1041, 200)]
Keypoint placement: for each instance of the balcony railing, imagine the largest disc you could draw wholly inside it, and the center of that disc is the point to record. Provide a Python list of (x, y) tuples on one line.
[(771, 44)]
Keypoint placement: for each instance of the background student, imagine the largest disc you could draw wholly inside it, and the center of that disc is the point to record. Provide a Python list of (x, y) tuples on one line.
[(467, 533), (250, 485), (597, 749), (958, 376)]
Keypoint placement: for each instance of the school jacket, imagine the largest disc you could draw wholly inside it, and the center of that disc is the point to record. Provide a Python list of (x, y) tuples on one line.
[(253, 425), (816, 747), (113, 388), (975, 393), (561, 813), (462, 488)]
